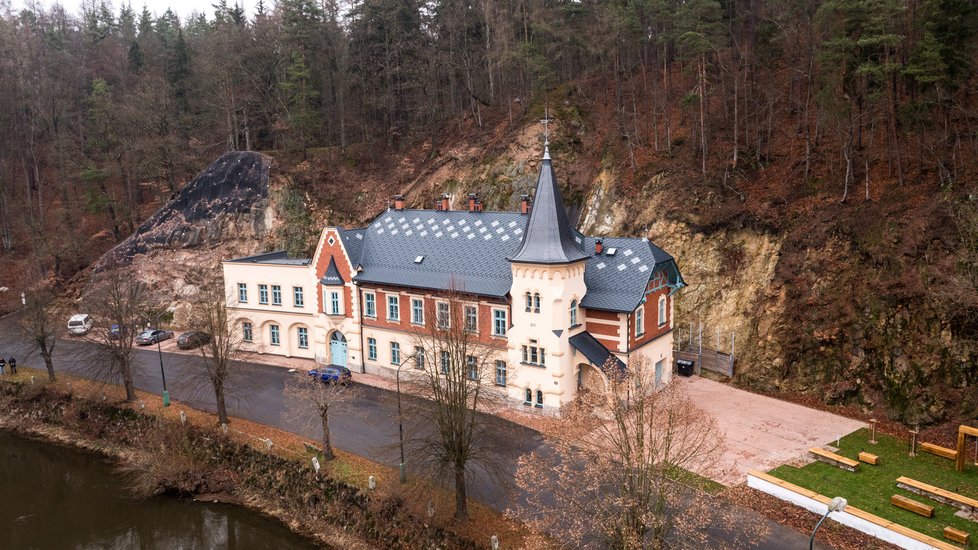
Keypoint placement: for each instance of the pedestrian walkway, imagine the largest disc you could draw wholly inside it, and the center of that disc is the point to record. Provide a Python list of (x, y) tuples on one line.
[(762, 432)]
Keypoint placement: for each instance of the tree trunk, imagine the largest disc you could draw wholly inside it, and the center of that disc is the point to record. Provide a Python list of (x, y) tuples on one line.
[(127, 381), (49, 364), (461, 500), (327, 445), (222, 410)]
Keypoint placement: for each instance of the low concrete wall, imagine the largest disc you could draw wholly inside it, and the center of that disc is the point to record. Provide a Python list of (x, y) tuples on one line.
[(852, 517)]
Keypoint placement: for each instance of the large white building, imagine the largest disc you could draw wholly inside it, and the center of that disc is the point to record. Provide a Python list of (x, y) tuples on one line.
[(553, 304)]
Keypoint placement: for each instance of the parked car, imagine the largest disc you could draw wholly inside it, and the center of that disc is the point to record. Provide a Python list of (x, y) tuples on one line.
[(191, 340), (80, 324), (153, 336), (332, 375), (114, 332)]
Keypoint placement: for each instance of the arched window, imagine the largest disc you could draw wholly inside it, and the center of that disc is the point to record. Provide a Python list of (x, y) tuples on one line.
[(662, 311), (573, 313), (539, 399), (529, 302), (529, 397), (640, 320), (536, 302)]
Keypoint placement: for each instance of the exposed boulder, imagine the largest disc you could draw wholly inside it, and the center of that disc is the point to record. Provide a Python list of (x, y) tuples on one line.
[(229, 198)]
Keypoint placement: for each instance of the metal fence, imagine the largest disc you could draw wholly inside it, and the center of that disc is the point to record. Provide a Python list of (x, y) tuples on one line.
[(712, 350)]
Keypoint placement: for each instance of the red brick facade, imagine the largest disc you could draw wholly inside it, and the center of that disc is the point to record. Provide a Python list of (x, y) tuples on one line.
[(336, 251)]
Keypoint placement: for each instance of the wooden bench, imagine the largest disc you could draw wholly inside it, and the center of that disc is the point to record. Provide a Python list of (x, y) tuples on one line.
[(836, 460), (869, 458), (957, 535), (920, 508), (939, 451), (969, 505)]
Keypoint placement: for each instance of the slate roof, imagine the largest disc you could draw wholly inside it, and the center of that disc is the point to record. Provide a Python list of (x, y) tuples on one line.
[(457, 249), (550, 239), (332, 276), (595, 351), (278, 257), (353, 243), (617, 282)]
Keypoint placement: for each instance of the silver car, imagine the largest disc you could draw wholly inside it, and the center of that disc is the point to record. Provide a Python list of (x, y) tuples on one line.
[(153, 336)]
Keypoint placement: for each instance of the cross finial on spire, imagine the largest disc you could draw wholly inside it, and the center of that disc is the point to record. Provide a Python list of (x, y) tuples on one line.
[(546, 131)]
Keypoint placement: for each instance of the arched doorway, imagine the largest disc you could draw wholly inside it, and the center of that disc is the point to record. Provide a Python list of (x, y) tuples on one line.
[(337, 348), (590, 379)]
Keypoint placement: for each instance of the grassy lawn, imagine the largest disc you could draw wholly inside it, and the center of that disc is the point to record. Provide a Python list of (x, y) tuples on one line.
[(870, 488)]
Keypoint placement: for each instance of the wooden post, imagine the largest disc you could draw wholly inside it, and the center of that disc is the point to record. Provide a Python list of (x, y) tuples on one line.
[(913, 441), (872, 438), (733, 340), (959, 463)]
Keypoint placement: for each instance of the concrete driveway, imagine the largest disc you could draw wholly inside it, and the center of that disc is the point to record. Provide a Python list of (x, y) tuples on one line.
[(762, 432)]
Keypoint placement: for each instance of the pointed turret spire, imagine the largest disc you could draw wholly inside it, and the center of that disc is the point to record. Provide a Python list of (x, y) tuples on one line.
[(549, 238)]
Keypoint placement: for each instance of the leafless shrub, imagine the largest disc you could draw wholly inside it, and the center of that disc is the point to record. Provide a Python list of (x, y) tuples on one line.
[(311, 400)]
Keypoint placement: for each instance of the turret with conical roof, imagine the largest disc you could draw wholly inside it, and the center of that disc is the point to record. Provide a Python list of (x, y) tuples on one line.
[(549, 237)]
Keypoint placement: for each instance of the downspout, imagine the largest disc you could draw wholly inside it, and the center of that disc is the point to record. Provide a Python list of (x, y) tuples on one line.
[(363, 350)]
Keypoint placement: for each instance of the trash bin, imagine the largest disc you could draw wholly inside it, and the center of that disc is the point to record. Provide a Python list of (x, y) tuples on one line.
[(685, 367)]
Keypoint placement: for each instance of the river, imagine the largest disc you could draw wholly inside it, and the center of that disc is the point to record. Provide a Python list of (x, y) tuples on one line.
[(59, 498)]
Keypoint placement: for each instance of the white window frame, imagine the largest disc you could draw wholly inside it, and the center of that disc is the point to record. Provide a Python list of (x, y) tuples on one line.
[(395, 353), (500, 369), (302, 337), (534, 355), (662, 311), (640, 320), (276, 295), (263, 294), (443, 360), (471, 327), (539, 402), (529, 302), (417, 311), (371, 349), (370, 305), (536, 302), (393, 307), (418, 357), (247, 332), (298, 296), (443, 315), (274, 334), (242, 293), (496, 331), (472, 368), (335, 303), (573, 313)]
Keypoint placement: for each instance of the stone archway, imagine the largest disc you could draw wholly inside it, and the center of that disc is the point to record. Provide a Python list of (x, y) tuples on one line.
[(590, 379)]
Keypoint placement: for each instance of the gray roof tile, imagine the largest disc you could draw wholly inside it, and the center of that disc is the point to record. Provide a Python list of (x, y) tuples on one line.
[(595, 351), (278, 257)]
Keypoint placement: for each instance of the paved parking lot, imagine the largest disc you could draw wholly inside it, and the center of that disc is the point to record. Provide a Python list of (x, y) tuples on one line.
[(761, 432)]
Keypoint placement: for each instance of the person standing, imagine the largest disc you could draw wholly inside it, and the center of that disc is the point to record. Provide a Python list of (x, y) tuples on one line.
[(13, 365), (2, 364)]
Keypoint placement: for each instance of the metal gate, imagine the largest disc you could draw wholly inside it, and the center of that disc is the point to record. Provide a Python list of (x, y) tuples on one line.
[(698, 344)]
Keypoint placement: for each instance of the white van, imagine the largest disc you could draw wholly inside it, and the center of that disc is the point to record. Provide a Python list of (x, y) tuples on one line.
[(80, 324)]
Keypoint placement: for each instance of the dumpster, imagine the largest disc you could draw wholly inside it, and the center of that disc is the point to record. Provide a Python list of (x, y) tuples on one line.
[(685, 367)]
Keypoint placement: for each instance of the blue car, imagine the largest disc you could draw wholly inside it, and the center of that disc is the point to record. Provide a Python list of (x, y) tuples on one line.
[(332, 375)]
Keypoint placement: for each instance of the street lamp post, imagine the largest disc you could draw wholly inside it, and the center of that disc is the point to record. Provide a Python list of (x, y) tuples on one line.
[(838, 504), (159, 350)]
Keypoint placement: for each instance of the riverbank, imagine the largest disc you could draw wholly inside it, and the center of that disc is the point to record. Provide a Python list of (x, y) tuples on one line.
[(159, 453)]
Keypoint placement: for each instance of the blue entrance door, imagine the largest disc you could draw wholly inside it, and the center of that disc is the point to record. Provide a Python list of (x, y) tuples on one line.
[(337, 349)]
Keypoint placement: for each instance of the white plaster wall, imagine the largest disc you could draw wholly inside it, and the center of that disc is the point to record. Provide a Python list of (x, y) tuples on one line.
[(844, 518), (557, 285), (659, 349)]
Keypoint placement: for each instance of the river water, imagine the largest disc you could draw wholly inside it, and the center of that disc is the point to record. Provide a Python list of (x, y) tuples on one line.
[(57, 498)]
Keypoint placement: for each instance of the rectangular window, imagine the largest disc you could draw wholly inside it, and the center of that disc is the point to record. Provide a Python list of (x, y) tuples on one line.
[(372, 349), (242, 293), (640, 321), (499, 322), (393, 308), (443, 316), (334, 303), (273, 331), (472, 318), (501, 373), (297, 298), (443, 359), (473, 366), (246, 331), (370, 304), (662, 311), (533, 355), (417, 311), (395, 353), (418, 357), (276, 295), (263, 294), (303, 333)]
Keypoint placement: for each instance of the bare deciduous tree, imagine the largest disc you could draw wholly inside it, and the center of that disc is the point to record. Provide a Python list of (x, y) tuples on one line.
[(617, 469), (40, 327), (453, 373), (211, 315), (118, 302), (306, 393)]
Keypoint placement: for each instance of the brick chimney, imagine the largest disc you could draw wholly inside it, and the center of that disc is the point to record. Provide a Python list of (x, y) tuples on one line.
[(398, 202), (598, 247), (474, 204), (525, 204), (444, 201)]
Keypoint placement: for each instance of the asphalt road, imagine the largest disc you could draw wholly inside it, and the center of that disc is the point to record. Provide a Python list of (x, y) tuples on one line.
[(366, 426)]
